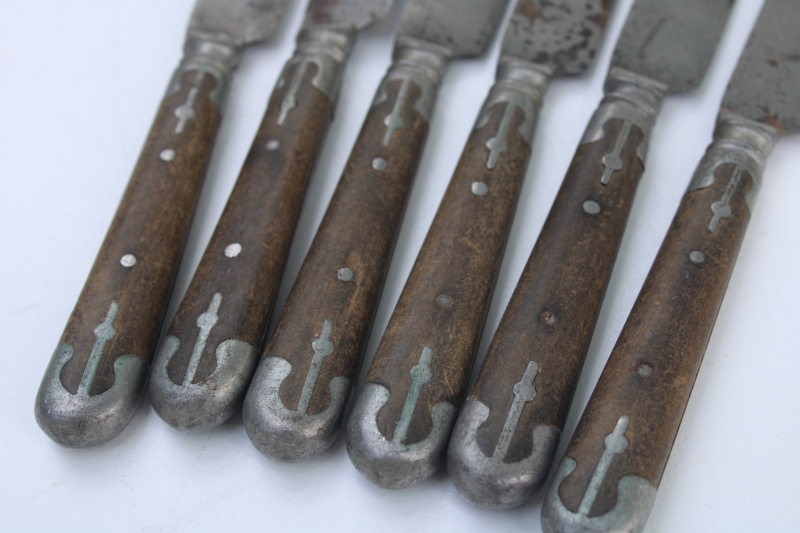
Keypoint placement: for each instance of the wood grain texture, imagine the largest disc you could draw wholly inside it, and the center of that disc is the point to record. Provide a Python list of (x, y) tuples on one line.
[(652, 369), (261, 216), (553, 311), (445, 300), (358, 232), (151, 223)]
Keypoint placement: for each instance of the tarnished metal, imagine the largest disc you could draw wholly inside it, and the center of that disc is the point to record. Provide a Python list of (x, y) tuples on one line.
[(765, 84), (462, 27), (349, 14), (236, 23), (671, 42), (562, 36)]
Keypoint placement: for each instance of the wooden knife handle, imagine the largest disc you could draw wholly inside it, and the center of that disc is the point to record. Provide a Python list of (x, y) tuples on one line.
[(509, 429), (406, 409), (206, 361), (95, 378), (616, 457), (296, 401)]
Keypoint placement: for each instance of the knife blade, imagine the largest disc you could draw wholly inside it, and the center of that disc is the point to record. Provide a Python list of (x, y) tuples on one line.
[(202, 371), (96, 375), (613, 464), (427, 349), (295, 405), (519, 402)]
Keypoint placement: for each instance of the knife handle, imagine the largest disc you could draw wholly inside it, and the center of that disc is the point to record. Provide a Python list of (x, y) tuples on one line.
[(295, 403), (613, 464), (205, 363), (96, 375), (401, 422), (508, 432)]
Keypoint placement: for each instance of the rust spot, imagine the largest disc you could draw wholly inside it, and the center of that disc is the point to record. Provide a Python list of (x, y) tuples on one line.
[(527, 9), (548, 318), (772, 63), (771, 121)]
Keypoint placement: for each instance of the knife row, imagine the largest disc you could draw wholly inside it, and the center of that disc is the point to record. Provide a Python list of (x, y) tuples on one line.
[(406, 414)]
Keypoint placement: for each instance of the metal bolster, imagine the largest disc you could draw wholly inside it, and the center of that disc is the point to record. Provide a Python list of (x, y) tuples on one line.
[(422, 63), (744, 142), (328, 48), (519, 83), (634, 98), (210, 56)]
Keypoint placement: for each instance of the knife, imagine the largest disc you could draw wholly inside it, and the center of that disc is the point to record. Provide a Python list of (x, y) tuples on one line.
[(507, 434), (295, 405), (608, 478), (94, 381), (404, 413), (205, 363)]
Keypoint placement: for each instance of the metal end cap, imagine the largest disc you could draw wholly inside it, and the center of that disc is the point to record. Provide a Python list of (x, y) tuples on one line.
[(79, 421), (284, 435), (489, 482), (205, 405), (388, 464)]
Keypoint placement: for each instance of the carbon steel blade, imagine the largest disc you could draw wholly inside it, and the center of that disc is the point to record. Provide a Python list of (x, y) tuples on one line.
[(671, 41), (766, 82), (355, 14), (236, 22), (560, 34), (464, 27)]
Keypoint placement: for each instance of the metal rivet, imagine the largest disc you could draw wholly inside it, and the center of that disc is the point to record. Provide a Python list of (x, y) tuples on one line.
[(480, 188), (697, 256), (232, 250), (379, 163), (645, 370), (127, 260), (167, 155), (273, 145), (591, 207), (548, 318), (345, 274), (444, 300)]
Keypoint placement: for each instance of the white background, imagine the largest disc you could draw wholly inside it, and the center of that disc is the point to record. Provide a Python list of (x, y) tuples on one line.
[(79, 84)]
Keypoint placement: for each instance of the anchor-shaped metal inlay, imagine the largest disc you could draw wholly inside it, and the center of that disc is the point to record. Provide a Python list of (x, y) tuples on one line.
[(323, 347), (524, 392), (612, 162), (186, 112), (615, 443), (289, 101), (722, 207), (420, 375), (103, 333), (394, 121), (498, 144), (206, 322)]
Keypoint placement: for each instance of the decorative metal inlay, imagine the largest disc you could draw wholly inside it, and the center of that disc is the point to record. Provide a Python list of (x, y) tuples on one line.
[(479, 188), (345, 274), (273, 145), (524, 392), (379, 163), (323, 347), (697, 257), (615, 443), (167, 155), (233, 250), (206, 322), (591, 207), (103, 333), (498, 144), (420, 375), (722, 207), (289, 101), (612, 162), (127, 260), (394, 121), (186, 112)]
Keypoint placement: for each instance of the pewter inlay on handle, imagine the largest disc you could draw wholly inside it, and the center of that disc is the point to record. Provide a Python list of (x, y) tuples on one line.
[(420, 375)]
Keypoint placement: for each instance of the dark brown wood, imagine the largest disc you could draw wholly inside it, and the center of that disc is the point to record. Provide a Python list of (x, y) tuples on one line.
[(553, 311), (260, 216), (652, 369), (151, 223), (358, 232), (444, 303)]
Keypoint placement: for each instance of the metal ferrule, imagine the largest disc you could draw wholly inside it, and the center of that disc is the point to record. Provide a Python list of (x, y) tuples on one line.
[(79, 420), (740, 141), (328, 49), (210, 56), (488, 481), (630, 97), (283, 434), (392, 464)]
